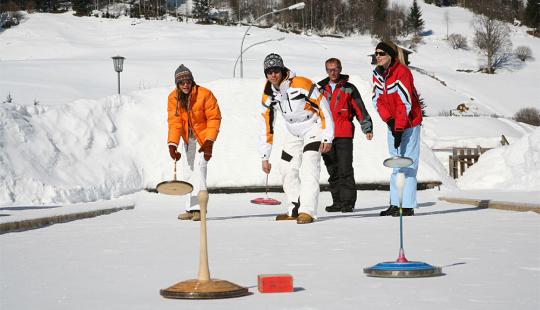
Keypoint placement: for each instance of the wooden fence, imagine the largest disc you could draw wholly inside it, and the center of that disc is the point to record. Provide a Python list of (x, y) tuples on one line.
[(462, 158)]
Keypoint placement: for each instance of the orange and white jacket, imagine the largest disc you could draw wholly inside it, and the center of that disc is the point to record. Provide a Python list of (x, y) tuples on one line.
[(202, 116), (302, 107)]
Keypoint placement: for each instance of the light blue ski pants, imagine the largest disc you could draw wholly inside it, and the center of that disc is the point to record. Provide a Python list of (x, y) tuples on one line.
[(409, 147)]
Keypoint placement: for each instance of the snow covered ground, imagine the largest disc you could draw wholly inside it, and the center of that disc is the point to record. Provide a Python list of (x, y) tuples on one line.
[(491, 258)]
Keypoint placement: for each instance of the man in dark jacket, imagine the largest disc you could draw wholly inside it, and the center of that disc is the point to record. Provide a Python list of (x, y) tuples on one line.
[(345, 104)]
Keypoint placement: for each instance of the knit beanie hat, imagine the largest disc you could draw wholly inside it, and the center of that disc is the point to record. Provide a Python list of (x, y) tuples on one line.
[(182, 73), (387, 47), (273, 61)]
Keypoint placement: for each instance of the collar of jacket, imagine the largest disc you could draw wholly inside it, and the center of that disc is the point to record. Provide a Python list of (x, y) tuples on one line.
[(268, 86), (393, 65), (343, 78)]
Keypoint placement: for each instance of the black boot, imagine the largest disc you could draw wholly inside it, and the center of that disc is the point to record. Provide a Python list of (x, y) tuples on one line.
[(347, 207), (390, 211), (295, 209), (405, 212), (335, 207)]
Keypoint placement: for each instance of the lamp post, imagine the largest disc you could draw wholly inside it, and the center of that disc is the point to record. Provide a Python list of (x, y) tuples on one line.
[(252, 45), (297, 6), (118, 67)]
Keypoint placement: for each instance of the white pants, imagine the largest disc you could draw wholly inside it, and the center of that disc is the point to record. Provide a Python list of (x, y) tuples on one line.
[(193, 170), (300, 169)]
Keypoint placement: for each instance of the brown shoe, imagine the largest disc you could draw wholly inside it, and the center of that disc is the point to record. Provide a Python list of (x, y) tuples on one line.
[(285, 217), (185, 216), (304, 218), (196, 216)]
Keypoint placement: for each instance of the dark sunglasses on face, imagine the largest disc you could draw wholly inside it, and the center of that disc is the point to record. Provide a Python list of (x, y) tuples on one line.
[(380, 54), (184, 82), (273, 70)]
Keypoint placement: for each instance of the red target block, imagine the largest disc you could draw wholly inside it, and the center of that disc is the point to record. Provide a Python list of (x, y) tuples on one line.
[(275, 283)]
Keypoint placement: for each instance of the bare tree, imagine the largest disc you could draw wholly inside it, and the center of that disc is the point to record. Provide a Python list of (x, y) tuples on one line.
[(529, 116), (457, 41), (492, 38), (523, 52)]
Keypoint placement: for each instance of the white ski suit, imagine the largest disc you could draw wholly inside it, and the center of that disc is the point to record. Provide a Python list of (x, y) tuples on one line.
[(309, 123)]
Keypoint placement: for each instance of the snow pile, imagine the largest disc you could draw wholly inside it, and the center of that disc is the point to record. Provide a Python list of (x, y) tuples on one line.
[(512, 167), (64, 153)]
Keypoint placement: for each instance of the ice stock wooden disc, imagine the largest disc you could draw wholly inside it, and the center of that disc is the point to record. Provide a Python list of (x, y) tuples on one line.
[(174, 188), (210, 289)]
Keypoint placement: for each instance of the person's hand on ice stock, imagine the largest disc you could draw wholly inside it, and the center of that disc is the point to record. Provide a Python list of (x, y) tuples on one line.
[(266, 166), (174, 153)]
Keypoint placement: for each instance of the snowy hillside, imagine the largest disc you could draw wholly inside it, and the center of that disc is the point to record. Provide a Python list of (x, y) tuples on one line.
[(80, 142)]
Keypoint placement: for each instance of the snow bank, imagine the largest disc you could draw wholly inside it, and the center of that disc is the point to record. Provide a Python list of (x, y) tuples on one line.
[(512, 167)]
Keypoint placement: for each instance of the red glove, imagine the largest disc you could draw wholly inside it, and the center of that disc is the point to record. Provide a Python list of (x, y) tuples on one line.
[(174, 154), (207, 149)]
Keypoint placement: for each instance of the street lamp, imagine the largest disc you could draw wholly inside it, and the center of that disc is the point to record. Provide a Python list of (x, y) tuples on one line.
[(252, 45), (118, 67), (297, 6)]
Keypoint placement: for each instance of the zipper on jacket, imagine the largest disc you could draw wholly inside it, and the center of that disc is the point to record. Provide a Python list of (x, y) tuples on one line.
[(190, 127)]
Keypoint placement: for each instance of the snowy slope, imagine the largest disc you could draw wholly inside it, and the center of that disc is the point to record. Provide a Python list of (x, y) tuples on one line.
[(73, 56)]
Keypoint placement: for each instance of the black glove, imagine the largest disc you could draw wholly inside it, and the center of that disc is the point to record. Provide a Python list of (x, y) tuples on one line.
[(206, 148), (391, 122), (174, 154), (397, 138)]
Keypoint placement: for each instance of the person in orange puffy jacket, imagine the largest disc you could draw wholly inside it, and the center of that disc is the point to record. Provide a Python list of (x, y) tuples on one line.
[(193, 117)]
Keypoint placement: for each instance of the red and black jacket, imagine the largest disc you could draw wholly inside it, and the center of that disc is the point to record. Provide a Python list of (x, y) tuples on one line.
[(345, 104)]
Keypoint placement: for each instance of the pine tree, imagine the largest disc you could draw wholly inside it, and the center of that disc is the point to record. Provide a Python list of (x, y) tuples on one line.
[(201, 9), (532, 14), (81, 7), (380, 27), (414, 20)]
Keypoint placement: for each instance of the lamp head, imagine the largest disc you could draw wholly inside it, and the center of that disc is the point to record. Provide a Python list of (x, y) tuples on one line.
[(297, 6)]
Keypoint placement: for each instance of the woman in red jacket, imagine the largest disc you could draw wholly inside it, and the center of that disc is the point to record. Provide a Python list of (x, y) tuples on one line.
[(396, 100)]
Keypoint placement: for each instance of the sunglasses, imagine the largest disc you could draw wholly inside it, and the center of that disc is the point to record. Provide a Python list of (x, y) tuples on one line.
[(184, 82), (273, 70), (381, 53)]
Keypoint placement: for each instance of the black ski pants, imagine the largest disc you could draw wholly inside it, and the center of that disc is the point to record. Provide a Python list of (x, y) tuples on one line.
[(338, 162)]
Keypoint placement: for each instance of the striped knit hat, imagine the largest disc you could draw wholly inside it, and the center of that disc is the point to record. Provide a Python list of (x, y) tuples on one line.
[(273, 61), (182, 73)]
